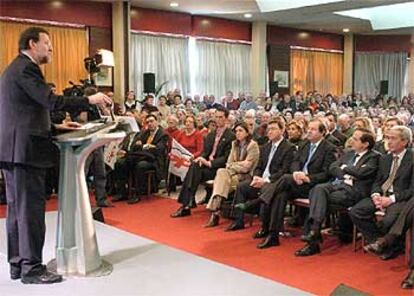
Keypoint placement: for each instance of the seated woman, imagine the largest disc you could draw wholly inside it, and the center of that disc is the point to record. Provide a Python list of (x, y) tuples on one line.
[(295, 133), (243, 158), (190, 138)]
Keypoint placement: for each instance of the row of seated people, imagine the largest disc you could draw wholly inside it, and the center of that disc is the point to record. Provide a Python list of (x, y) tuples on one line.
[(361, 179)]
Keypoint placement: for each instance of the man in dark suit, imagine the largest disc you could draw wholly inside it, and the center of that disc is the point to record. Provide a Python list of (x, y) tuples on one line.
[(217, 146), (148, 153), (354, 172), (25, 147), (393, 186), (274, 161), (332, 129), (309, 168), (390, 122)]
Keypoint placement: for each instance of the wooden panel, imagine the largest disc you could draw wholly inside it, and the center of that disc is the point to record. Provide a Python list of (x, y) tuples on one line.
[(278, 59), (221, 28), (383, 43)]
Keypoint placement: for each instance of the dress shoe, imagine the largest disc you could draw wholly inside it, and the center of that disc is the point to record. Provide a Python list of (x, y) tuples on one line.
[(376, 247), (181, 212), (312, 237), (269, 241), (15, 274), (134, 200), (235, 226), (213, 221), (245, 206), (44, 277), (308, 250), (119, 197), (260, 234), (408, 282), (391, 253), (104, 204)]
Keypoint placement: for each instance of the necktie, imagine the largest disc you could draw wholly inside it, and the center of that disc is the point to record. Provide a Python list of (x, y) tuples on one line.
[(352, 161), (266, 173), (150, 138), (311, 152), (388, 183)]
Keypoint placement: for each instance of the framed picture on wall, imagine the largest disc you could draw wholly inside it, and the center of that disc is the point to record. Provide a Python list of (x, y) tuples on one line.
[(104, 77), (282, 77)]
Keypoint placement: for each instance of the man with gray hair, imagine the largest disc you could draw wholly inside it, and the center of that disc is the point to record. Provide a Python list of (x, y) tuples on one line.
[(393, 187)]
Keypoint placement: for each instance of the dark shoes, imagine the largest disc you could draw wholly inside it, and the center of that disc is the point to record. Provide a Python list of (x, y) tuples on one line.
[(260, 234), (245, 206), (119, 197), (133, 200), (15, 272), (104, 204), (408, 282), (269, 241), (235, 226), (181, 212), (308, 250), (214, 220), (312, 237), (45, 277)]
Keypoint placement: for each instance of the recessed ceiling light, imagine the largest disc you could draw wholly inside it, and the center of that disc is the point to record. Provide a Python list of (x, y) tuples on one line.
[(247, 15), (345, 30), (174, 4)]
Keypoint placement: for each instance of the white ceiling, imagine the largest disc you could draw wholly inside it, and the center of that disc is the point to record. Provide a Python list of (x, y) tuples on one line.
[(317, 18)]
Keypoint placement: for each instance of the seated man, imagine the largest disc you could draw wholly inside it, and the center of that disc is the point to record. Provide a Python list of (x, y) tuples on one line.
[(393, 186), (217, 146), (149, 154), (355, 172), (310, 167), (404, 222), (274, 161)]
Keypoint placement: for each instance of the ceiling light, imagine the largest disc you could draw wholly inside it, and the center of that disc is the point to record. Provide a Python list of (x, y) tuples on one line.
[(174, 4), (247, 15), (275, 5), (384, 17), (345, 30)]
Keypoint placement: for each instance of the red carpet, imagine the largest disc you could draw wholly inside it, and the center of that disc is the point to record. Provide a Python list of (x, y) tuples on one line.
[(319, 274)]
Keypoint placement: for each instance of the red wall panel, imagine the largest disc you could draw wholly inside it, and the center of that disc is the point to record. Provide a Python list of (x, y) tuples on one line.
[(221, 28), (160, 21), (85, 13), (295, 37), (383, 43)]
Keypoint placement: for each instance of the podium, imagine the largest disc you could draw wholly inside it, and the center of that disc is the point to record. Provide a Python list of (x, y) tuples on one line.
[(77, 252)]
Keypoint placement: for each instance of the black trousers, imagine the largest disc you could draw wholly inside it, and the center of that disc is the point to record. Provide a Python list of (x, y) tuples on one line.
[(275, 197), (25, 190), (195, 175), (95, 164), (324, 195), (363, 216), (245, 192)]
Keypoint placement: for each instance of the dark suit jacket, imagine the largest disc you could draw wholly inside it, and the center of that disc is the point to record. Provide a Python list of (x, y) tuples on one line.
[(379, 146), (25, 104), (363, 172), (333, 140), (318, 167), (223, 148), (280, 162), (340, 136), (403, 184)]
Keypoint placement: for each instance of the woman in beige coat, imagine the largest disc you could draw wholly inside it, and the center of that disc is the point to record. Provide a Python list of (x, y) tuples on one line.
[(241, 163)]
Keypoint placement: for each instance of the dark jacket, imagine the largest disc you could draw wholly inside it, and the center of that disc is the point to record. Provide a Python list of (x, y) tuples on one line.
[(223, 148), (318, 167), (363, 172), (403, 184), (25, 104), (280, 162)]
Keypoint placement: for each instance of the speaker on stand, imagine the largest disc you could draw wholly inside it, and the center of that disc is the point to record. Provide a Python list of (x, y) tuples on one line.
[(384, 87), (149, 83)]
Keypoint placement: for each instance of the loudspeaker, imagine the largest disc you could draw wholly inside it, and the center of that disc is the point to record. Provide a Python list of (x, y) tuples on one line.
[(149, 83), (384, 87), (98, 214), (274, 87)]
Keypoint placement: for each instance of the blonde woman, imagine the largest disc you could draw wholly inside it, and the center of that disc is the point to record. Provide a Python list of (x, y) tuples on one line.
[(241, 163)]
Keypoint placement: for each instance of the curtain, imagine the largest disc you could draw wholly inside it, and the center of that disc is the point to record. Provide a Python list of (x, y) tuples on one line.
[(315, 70), (220, 67), (371, 68), (167, 57), (70, 47)]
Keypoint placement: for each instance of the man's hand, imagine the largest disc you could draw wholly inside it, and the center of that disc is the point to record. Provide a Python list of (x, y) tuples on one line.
[(68, 126), (99, 99), (257, 182), (121, 153), (385, 202), (300, 177)]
